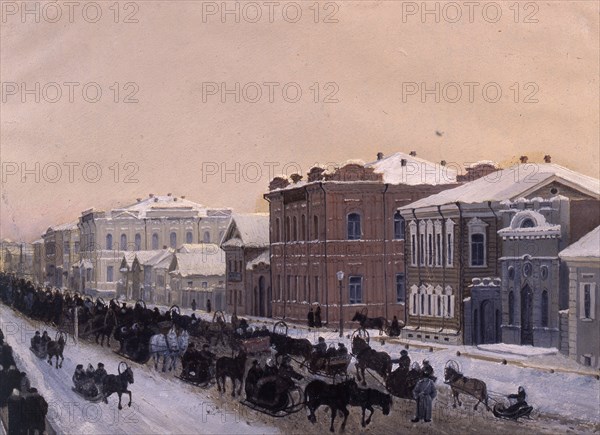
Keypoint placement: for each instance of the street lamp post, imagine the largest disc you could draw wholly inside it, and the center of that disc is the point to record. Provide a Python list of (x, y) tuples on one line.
[(340, 277)]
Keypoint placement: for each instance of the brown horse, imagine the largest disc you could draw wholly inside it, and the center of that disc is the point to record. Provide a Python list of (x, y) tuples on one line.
[(371, 322), (369, 358), (461, 384), (233, 368), (55, 349)]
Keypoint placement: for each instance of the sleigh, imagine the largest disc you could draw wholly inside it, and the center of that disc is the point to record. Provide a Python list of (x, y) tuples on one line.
[(40, 353), (94, 399), (512, 412), (288, 402), (255, 345), (330, 366)]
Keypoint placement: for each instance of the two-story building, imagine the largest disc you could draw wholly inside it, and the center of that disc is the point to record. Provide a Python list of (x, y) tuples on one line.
[(61, 248)]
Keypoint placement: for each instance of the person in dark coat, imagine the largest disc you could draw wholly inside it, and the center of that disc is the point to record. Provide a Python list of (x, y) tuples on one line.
[(193, 304), (100, 374), (318, 317), (208, 306), (16, 415), (519, 398), (424, 393), (254, 374), (36, 340), (36, 409), (311, 318), (404, 362), (394, 328), (11, 381), (45, 340)]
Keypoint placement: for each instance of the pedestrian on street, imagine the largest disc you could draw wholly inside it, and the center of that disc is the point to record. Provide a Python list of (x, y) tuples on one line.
[(193, 304), (208, 306), (16, 416), (311, 318), (318, 317), (25, 385), (35, 411), (424, 393)]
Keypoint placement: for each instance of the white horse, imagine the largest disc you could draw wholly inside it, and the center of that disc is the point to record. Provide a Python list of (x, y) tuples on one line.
[(170, 346)]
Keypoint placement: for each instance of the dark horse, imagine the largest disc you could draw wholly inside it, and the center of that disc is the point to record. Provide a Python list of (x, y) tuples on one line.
[(461, 384), (369, 358), (233, 368), (55, 349), (335, 396), (371, 322), (285, 345), (366, 398), (118, 384), (104, 324)]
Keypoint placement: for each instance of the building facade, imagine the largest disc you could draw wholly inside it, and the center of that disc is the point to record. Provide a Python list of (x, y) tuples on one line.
[(582, 260), (246, 247), (454, 237), (61, 248), (347, 220), (153, 223)]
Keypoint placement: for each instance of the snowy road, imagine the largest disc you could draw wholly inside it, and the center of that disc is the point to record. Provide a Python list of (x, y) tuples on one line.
[(161, 403)]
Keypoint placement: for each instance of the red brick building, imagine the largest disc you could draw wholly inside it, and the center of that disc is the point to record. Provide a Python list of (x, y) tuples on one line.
[(346, 220)]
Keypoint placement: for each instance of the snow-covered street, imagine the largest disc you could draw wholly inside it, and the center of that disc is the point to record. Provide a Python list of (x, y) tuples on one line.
[(563, 402)]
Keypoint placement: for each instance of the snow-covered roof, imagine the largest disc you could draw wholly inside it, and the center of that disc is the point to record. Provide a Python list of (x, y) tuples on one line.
[(400, 168), (247, 230), (37, 242), (511, 183), (263, 257), (192, 247), (70, 226), (209, 262), (587, 246), (159, 203)]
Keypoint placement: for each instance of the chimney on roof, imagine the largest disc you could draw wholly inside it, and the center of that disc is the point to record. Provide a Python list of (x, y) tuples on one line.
[(296, 177), (169, 194), (523, 159), (151, 195), (413, 153), (443, 163), (379, 155), (547, 158), (403, 162)]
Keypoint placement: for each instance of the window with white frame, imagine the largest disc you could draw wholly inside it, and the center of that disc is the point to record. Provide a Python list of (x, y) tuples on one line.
[(449, 242), (110, 270), (422, 231), (437, 227), (123, 242), (354, 231), (587, 300), (477, 242), (138, 241), (430, 250), (398, 226), (355, 289), (413, 243), (189, 237), (155, 241)]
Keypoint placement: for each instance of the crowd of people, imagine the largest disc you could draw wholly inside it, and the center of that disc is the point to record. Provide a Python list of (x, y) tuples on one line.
[(27, 409)]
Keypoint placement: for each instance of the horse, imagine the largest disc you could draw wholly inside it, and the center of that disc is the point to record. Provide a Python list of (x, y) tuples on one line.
[(369, 358), (461, 384), (104, 324), (366, 398), (335, 396), (169, 346), (117, 384), (371, 322), (285, 345), (55, 349), (234, 368)]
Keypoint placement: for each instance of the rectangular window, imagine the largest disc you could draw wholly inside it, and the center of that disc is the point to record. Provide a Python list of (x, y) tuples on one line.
[(587, 300), (110, 274), (430, 250), (438, 250), (477, 250), (400, 288), (422, 249), (449, 247), (160, 280), (288, 288), (355, 289), (66, 248), (190, 284), (76, 247), (204, 284), (413, 247)]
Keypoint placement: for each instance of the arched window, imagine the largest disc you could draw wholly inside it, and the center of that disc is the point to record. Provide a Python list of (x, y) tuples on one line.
[(545, 309), (189, 237), (206, 237), (354, 232), (138, 242), (295, 228), (511, 308), (155, 241), (316, 227), (527, 223), (123, 242), (173, 240), (303, 228), (109, 241), (399, 227)]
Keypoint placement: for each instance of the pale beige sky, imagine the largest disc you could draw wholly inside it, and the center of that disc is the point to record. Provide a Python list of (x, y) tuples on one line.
[(177, 141)]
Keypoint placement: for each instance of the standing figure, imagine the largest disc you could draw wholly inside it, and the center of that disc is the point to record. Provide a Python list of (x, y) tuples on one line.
[(424, 393), (208, 306), (404, 362), (36, 409), (311, 318), (318, 317)]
